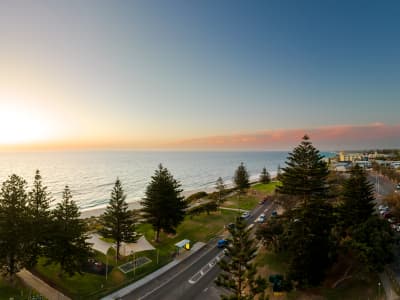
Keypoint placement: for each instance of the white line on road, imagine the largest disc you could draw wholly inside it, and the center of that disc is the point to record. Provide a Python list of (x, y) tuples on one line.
[(206, 268)]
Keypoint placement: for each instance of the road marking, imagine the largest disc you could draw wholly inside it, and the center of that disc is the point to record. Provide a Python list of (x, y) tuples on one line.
[(206, 268)]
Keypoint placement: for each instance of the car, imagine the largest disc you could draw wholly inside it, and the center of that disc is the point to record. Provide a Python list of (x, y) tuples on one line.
[(261, 218), (398, 186), (383, 207), (384, 211), (262, 201), (245, 215), (274, 213), (222, 243)]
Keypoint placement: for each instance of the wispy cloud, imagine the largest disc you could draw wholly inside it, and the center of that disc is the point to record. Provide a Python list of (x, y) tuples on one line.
[(375, 135)]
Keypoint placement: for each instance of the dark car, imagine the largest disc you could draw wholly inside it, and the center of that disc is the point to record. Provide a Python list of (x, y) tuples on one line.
[(222, 243)]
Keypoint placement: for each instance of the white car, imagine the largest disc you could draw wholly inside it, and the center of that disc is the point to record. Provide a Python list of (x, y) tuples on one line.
[(245, 215), (261, 218)]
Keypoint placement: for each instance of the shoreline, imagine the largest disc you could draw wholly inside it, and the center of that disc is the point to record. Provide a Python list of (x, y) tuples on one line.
[(97, 211)]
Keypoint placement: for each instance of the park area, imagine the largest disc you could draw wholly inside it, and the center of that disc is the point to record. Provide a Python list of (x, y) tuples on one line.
[(92, 285)]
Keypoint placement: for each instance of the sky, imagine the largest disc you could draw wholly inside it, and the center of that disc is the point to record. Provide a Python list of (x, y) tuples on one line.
[(253, 75)]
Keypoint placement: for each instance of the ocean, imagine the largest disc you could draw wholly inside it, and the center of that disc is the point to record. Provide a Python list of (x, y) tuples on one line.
[(91, 174)]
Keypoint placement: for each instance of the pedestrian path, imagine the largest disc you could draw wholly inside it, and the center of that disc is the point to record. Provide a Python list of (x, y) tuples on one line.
[(233, 209), (130, 288), (39, 285), (387, 286)]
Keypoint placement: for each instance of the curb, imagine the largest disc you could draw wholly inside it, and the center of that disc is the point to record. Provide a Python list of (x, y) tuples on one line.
[(130, 288)]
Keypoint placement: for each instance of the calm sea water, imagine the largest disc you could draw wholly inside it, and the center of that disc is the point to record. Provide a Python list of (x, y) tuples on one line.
[(91, 175)]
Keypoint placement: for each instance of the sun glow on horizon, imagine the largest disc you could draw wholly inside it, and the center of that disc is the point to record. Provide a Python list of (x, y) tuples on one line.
[(21, 125)]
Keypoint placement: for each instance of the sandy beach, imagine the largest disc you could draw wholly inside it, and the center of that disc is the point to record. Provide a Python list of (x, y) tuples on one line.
[(97, 211)]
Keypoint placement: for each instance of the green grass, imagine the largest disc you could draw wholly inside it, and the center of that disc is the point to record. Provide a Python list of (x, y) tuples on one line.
[(265, 188), (107, 240), (276, 262), (17, 290), (246, 202), (91, 286), (354, 289)]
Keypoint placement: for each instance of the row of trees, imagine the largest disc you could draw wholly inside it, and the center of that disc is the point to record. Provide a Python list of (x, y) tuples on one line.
[(320, 227), (29, 229)]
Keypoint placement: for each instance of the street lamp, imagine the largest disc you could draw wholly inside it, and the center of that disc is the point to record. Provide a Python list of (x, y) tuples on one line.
[(379, 290)]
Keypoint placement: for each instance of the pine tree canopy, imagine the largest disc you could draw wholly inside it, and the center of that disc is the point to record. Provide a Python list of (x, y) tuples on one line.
[(118, 222), (305, 173), (241, 178), (358, 198), (163, 206)]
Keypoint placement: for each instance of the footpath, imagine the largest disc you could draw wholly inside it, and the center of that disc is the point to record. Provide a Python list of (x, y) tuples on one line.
[(162, 275), (40, 286), (387, 287)]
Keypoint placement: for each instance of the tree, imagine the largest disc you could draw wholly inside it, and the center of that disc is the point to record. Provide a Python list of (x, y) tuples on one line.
[(220, 186), (15, 239), (68, 245), (163, 206), (117, 220), (358, 198), (310, 243), (371, 244), (241, 178), (39, 200), (238, 273), (265, 177), (305, 173)]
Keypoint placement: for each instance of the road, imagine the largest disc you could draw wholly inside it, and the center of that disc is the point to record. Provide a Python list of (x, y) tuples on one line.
[(383, 186), (175, 283)]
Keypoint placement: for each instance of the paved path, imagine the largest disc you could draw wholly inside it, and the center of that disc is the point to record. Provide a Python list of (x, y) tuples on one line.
[(39, 285), (387, 287)]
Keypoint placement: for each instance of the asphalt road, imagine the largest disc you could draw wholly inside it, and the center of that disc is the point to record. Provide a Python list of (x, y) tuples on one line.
[(383, 186), (175, 283)]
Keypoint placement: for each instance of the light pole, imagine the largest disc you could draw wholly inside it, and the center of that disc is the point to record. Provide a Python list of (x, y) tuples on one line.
[(379, 290)]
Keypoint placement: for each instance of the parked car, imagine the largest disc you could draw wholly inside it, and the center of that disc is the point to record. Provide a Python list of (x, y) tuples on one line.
[(262, 201), (245, 215), (274, 213), (261, 218), (383, 207), (222, 243)]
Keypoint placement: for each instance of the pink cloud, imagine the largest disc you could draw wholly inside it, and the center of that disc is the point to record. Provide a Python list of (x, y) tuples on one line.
[(375, 135)]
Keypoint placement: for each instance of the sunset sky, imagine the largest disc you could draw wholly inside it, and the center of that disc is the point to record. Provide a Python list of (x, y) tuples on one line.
[(199, 74)]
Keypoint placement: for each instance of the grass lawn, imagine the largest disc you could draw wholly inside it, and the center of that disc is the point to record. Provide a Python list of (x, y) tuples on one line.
[(354, 289), (92, 286), (199, 228), (276, 262), (17, 291), (265, 188), (246, 202)]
